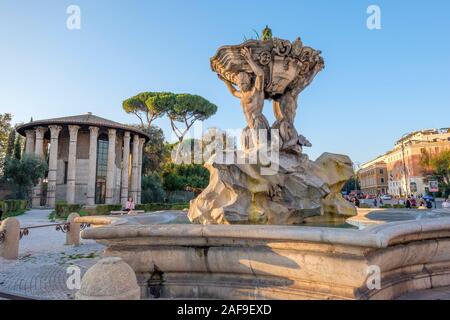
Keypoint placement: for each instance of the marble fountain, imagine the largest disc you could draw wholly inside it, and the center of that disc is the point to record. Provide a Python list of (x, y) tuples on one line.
[(246, 239)]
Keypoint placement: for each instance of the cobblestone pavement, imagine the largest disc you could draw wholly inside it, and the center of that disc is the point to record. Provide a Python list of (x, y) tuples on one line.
[(41, 270)]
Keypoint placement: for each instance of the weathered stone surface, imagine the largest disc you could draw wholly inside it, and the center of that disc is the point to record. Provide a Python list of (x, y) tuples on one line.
[(109, 279), (296, 189), (9, 248), (245, 193), (73, 235), (282, 262), (335, 170)]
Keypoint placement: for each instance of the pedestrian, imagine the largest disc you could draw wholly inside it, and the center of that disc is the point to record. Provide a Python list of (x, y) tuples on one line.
[(413, 202), (1, 214), (408, 204), (381, 202), (446, 204), (357, 202), (375, 202)]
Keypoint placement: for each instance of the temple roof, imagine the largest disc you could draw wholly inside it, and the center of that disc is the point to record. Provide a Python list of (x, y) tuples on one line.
[(87, 119)]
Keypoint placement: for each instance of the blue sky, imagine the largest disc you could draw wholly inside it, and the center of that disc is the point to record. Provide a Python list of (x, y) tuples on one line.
[(377, 84)]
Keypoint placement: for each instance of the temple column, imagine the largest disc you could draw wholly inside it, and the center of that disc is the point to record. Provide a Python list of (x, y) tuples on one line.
[(39, 152), (52, 165), (139, 186), (29, 145), (125, 165), (109, 198), (72, 164), (134, 168), (92, 170)]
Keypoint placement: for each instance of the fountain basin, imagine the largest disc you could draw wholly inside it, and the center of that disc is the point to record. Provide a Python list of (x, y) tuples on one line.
[(281, 262)]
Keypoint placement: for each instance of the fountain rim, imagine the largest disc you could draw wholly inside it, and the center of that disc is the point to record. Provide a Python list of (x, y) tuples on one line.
[(380, 236)]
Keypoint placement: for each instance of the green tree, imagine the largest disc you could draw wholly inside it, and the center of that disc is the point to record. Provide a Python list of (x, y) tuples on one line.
[(24, 173), (152, 189), (351, 185), (182, 110), (10, 145), (146, 106), (155, 150), (438, 166), (5, 128), (186, 177), (18, 147)]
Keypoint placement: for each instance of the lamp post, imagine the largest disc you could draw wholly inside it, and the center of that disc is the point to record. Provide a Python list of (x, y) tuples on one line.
[(404, 165)]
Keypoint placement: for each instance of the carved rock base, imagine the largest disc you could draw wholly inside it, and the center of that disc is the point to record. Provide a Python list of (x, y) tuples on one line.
[(290, 190)]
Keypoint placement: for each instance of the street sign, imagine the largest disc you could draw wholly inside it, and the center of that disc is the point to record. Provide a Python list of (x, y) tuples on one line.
[(433, 186)]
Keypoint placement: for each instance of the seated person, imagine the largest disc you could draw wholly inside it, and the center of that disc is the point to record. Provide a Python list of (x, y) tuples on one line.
[(129, 205)]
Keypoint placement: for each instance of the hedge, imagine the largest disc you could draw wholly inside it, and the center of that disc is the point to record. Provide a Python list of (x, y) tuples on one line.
[(13, 205), (62, 210), (162, 206)]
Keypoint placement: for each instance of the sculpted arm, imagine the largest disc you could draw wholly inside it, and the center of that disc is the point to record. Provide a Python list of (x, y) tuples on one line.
[(232, 89), (257, 69)]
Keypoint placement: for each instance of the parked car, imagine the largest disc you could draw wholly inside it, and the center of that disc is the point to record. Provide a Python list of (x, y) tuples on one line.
[(386, 197)]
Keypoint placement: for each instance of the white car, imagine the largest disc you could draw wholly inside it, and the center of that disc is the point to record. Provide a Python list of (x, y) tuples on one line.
[(386, 197)]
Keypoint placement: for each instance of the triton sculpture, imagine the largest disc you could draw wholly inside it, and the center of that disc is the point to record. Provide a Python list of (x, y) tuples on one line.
[(283, 186)]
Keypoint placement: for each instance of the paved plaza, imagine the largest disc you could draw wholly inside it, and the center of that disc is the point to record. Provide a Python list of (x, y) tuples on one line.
[(41, 270)]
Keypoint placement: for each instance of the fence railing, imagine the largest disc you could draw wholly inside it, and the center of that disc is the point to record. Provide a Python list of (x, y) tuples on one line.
[(11, 233)]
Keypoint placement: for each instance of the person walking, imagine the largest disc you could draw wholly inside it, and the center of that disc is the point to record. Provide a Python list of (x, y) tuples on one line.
[(446, 204), (375, 204)]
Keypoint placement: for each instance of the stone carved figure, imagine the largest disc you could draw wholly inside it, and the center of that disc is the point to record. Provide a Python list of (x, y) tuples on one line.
[(285, 109), (298, 188), (252, 98)]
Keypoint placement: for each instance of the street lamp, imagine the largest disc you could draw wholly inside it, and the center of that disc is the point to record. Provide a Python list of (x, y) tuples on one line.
[(357, 167), (404, 165)]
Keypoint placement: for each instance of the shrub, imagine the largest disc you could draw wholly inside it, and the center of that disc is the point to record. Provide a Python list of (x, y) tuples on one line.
[(105, 209), (152, 190), (62, 209), (161, 206), (386, 206), (13, 206)]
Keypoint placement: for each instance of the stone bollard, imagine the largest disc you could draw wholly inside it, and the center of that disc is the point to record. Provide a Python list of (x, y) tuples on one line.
[(9, 248), (109, 279), (73, 235)]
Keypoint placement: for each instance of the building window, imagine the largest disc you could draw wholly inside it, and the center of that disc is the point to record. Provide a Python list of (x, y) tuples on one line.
[(382, 180), (102, 168), (381, 171)]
